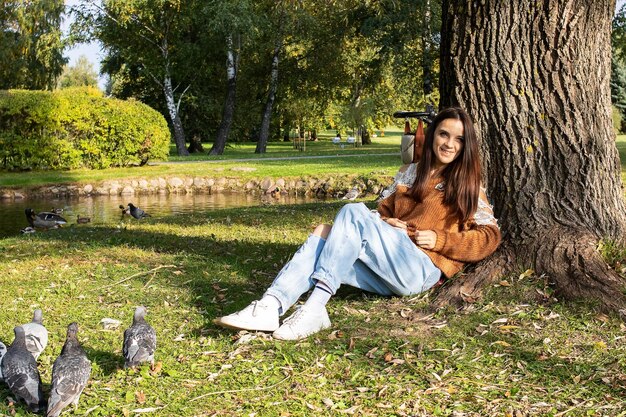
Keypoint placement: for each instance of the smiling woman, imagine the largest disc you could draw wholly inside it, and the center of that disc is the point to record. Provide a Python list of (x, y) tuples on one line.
[(433, 221)]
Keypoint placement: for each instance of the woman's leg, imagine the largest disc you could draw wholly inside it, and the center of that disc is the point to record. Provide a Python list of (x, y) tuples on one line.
[(292, 281), (365, 252), (396, 263)]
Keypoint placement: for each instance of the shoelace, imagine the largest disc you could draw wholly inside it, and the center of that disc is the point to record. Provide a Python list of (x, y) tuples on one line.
[(295, 317), (253, 305)]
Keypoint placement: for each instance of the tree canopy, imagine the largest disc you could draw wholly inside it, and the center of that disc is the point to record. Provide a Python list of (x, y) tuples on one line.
[(31, 45), (340, 64)]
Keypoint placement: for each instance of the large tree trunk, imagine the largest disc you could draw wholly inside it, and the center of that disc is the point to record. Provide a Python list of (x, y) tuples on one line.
[(427, 73), (269, 104), (179, 133), (228, 112), (535, 78)]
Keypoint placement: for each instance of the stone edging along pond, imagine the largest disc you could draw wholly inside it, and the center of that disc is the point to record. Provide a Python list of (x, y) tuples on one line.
[(332, 186)]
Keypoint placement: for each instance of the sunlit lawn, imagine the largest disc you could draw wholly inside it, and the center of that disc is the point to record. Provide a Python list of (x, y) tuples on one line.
[(390, 142), (381, 156), (518, 352)]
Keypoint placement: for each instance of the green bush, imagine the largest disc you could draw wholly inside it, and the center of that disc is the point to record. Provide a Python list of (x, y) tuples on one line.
[(77, 127)]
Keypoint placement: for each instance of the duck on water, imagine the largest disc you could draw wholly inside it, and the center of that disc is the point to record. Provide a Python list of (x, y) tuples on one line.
[(44, 220)]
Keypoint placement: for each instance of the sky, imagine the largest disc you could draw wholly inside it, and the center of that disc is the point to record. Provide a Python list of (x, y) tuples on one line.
[(89, 50)]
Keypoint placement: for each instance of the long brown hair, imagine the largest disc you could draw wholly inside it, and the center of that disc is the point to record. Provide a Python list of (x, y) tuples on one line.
[(462, 176)]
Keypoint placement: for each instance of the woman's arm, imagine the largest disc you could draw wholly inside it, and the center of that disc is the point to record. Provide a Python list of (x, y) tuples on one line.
[(480, 240), (405, 176)]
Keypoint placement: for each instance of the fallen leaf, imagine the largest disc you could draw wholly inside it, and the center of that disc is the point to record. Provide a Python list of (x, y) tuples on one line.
[(156, 368), (140, 396), (350, 410), (328, 402), (335, 334), (602, 317), (526, 274), (505, 283), (370, 353), (387, 357), (313, 407), (110, 324)]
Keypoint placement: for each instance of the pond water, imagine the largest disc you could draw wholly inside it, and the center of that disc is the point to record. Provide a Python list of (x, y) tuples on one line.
[(105, 209)]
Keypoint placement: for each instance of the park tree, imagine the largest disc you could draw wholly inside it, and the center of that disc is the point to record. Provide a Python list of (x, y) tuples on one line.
[(232, 22), (150, 37), (31, 44), (535, 78), (81, 74)]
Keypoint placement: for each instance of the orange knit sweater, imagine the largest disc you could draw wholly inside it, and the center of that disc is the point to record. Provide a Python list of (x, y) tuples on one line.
[(454, 247)]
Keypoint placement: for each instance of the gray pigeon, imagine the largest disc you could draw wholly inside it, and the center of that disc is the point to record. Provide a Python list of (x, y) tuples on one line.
[(3, 350), (36, 334), (70, 374), (139, 340), (21, 375), (136, 212), (352, 194)]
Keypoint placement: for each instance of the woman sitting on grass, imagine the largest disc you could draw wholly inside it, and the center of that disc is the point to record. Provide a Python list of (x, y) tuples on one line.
[(432, 221)]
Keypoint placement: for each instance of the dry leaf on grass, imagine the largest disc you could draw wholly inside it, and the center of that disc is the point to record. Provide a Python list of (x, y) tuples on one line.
[(140, 397)]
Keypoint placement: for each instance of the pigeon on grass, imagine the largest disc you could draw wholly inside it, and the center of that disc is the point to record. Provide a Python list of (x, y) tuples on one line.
[(70, 374), (139, 341), (36, 334), (352, 194), (19, 369), (3, 351)]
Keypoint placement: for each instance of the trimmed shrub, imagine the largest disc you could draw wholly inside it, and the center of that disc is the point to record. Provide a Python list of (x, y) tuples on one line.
[(77, 128)]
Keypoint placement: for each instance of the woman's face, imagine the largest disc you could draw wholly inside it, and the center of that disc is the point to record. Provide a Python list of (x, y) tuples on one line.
[(448, 142)]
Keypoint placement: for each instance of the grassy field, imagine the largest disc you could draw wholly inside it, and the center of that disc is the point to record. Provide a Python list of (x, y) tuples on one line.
[(348, 160), (518, 352)]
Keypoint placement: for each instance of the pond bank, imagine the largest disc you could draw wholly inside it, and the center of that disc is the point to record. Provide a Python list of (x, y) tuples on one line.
[(331, 186)]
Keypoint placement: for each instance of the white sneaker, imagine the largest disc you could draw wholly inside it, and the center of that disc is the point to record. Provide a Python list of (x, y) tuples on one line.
[(256, 317), (303, 323)]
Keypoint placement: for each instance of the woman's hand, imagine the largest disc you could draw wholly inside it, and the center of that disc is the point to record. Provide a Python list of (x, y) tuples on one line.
[(397, 223), (426, 239)]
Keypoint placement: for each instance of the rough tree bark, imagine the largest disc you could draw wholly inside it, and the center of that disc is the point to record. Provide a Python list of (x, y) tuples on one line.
[(427, 77), (535, 78), (264, 133), (179, 133), (228, 112)]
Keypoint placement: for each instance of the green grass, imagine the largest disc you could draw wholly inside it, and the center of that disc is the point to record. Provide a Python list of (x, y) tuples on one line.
[(349, 160), (515, 353), (390, 142)]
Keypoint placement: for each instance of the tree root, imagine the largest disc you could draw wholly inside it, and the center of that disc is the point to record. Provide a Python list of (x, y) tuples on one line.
[(570, 260), (469, 287)]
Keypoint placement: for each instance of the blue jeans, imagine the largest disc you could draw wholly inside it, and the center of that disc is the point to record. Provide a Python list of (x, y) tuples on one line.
[(362, 251)]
